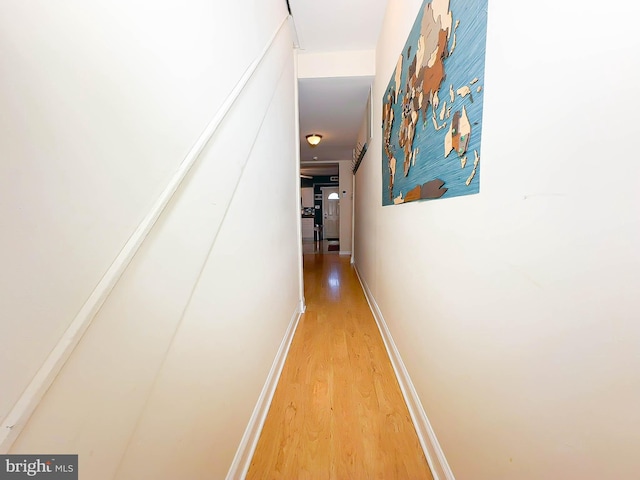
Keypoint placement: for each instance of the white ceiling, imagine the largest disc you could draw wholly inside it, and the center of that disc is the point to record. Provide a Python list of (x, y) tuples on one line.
[(337, 25), (334, 107)]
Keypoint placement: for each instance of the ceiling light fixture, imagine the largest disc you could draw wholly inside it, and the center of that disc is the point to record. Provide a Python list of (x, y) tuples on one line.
[(314, 139)]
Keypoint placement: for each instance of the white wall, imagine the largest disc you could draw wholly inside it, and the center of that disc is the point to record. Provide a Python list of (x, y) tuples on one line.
[(100, 102), (346, 206), (515, 310), (359, 63), (104, 101)]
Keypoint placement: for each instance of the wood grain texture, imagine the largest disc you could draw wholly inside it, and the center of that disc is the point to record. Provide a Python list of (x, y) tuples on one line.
[(338, 412)]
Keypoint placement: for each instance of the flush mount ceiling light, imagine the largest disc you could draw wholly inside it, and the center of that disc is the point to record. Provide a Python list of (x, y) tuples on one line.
[(314, 139)]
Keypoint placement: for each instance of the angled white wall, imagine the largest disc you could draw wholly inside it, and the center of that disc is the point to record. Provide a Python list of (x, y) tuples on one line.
[(101, 104), (515, 310)]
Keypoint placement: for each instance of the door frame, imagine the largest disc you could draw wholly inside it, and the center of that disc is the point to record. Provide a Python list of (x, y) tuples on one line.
[(335, 189)]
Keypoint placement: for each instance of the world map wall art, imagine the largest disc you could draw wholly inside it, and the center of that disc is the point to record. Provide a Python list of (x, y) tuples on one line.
[(432, 108)]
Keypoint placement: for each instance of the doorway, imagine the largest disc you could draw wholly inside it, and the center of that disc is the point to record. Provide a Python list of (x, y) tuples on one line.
[(331, 212)]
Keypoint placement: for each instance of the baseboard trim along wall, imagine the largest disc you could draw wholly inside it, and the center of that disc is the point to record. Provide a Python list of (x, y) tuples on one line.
[(249, 442), (432, 450)]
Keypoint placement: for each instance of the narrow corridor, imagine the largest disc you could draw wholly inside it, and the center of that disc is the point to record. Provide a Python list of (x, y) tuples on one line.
[(338, 412)]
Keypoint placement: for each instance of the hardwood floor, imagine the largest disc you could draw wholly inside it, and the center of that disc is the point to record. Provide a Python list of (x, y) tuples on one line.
[(338, 412)]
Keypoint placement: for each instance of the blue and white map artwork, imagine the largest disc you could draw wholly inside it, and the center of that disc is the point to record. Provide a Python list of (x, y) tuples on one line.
[(432, 108)]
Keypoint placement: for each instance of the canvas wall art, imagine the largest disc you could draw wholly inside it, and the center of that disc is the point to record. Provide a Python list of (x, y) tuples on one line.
[(432, 107)]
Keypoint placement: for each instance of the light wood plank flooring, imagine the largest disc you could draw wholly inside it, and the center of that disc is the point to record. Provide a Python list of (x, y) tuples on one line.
[(338, 412)]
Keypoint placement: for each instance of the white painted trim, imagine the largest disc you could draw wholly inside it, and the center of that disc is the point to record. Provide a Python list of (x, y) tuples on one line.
[(20, 413), (296, 135), (294, 32), (435, 456), (244, 454), (345, 252), (353, 219)]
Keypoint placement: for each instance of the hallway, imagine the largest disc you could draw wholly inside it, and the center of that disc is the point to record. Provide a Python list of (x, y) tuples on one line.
[(338, 412)]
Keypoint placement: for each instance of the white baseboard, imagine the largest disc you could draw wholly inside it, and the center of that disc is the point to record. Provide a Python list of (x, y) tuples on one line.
[(345, 252), (249, 442), (435, 456)]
